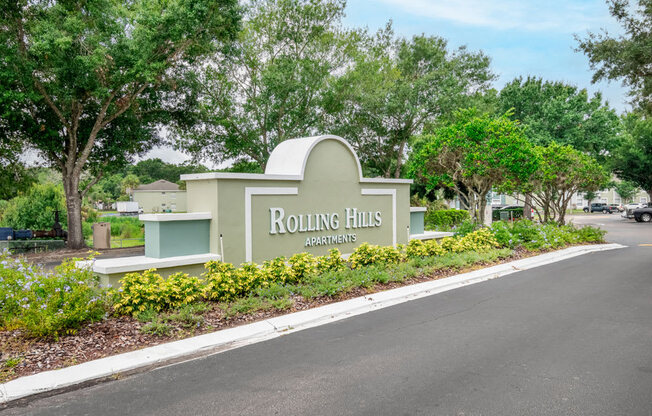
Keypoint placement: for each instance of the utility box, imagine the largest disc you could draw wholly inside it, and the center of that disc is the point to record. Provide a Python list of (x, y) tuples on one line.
[(102, 235)]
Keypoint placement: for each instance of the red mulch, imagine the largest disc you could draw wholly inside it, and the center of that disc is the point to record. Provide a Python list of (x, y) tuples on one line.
[(116, 335)]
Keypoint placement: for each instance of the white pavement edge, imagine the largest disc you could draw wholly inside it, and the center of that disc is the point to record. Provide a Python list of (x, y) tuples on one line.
[(231, 338)]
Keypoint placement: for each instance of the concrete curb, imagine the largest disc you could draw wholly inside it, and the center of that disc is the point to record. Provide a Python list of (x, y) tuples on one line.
[(231, 338)]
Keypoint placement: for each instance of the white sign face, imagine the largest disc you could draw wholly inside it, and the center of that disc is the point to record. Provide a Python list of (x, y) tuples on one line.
[(313, 223)]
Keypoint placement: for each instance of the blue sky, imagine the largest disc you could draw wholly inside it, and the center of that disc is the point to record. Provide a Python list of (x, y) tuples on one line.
[(522, 37)]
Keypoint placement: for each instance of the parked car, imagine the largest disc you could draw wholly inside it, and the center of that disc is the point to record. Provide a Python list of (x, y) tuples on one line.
[(643, 214), (616, 208), (597, 207), (630, 208)]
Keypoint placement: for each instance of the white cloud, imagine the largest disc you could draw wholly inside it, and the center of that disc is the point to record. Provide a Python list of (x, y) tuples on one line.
[(558, 16)]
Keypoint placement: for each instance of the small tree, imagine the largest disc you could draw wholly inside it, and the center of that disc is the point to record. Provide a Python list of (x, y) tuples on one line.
[(476, 153), (563, 171)]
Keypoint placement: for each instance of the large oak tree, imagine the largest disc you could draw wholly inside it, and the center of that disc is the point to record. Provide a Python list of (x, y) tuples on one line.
[(90, 80)]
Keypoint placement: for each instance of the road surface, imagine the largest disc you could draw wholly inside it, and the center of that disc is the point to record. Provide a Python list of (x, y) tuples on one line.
[(570, 338)]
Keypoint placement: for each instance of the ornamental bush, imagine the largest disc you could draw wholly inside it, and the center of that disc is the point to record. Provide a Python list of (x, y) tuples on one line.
[(367, 254), (445, 218), (140, 292), (303, 265), (48, 304), (479, 240)]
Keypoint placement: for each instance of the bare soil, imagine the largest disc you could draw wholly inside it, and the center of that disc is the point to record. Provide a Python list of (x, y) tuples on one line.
[(118, 334), (50, 259)]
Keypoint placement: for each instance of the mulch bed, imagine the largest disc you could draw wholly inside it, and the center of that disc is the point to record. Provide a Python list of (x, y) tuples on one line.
[(116, 335)]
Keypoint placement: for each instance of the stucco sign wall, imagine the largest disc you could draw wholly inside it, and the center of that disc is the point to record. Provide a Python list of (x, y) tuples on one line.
[(312, 197)]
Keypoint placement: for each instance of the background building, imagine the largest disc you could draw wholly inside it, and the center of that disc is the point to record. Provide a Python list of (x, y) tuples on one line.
[(160, 196)]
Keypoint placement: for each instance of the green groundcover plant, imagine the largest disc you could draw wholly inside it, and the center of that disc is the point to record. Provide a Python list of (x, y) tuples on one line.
[(50, 304)]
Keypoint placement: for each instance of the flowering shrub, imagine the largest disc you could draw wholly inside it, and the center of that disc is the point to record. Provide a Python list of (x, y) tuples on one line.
[(479, 240), (332, 262), (416, 248), (48, 304), (534, 236), (180, 289), (278, 270), (140, 292), (367, 254), (303, 265)]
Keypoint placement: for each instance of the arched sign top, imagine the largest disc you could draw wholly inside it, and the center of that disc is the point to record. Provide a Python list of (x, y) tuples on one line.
[(290, 157)]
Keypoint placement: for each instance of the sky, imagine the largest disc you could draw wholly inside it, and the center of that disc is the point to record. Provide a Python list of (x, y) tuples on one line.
[(525, 37)]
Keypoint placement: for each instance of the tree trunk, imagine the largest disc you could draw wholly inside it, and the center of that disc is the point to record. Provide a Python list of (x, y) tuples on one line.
[(73, 205), (527, 207), (399, 160), (482, 205)]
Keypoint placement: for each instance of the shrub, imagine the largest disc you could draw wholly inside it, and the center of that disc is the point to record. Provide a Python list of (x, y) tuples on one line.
[(480, 240), (416, 248), (35, 210), (180, 290), (433, 248), (48, 304), (219, 282), (466, 227), (332, 262), (303, 265), (445, 218), (367, 254), (590, 234), (278, 270), (140, 292)]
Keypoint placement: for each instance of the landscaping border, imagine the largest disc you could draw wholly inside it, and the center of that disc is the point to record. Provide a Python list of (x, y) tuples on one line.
[(227, 339)]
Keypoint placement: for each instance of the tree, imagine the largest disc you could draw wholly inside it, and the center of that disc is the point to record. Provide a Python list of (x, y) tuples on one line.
[(394, 87), (633, 158), (129, 183), (90, 81), (562, 113), (35, 209), (473, 155), (627, 57), (271, 87), (626, 189), (563, 171)]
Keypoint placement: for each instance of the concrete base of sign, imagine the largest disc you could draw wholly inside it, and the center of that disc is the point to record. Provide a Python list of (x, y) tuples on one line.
[(111, 271), (430, 235)]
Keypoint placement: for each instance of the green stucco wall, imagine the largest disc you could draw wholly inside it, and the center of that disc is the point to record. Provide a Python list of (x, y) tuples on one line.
[(176, 238), (330, 184)]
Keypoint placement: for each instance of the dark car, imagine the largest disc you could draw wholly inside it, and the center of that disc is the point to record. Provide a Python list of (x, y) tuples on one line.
[(643, 214), (601, 207)]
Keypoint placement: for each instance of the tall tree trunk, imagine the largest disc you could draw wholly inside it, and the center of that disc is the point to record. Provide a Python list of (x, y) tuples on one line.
[(73, 205)]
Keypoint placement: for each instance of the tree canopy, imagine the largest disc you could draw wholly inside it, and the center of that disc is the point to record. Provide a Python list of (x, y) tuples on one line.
[(394, 87), (86, 83), (633, 158), (627, 57), (269, 87), (558, 112), (473, 155), (562, 172)]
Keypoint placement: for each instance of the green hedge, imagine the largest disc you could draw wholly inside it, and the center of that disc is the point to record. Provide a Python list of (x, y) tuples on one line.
[(445, 218)]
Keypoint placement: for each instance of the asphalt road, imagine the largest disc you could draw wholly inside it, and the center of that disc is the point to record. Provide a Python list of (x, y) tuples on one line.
[(571, 338)]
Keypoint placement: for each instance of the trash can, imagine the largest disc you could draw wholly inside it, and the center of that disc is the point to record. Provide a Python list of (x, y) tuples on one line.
[(102, 235)]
